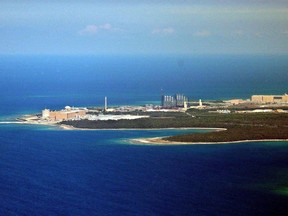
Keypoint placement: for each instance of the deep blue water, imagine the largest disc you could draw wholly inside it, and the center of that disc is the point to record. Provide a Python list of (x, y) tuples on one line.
[(47, 171), (55, 172)]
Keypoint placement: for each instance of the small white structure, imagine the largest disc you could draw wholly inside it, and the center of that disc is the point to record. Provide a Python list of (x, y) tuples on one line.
[(113, 117), (200, 103), (226, 111), (185, 106), (67, 108), (262, 110), (45, 113)]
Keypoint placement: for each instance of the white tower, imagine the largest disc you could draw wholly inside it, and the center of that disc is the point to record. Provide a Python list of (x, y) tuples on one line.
[(200, 103), (105, 104), (185, 105), (45, 113)]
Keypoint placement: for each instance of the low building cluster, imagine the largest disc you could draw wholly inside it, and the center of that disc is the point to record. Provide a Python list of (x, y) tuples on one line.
[(146, 108), (225, 111), (114, 117)]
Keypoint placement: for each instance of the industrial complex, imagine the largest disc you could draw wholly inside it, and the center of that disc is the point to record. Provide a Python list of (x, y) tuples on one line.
[(181, 101), (177, 103)]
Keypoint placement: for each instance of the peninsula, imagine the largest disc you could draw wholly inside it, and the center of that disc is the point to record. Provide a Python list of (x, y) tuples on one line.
[(239, 120), (239, 126)]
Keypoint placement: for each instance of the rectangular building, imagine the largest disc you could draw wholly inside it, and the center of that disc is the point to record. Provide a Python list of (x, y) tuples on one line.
[(63, 115), (269, 98), (66, 115)]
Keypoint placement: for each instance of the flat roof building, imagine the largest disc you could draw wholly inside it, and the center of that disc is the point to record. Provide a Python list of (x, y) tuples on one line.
[(269, 98), (62, 115)]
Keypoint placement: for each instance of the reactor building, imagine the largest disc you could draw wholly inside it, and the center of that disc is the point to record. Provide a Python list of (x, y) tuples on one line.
[(65, 114), (178, 100)]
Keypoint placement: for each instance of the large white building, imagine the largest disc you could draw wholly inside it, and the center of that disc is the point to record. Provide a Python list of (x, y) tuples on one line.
[(270, 98)]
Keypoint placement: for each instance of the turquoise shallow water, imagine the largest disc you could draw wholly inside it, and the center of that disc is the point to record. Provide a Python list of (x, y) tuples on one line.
[(47, 171)]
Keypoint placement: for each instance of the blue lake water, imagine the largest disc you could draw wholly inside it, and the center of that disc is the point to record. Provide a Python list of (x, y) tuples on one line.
[(48, 171)]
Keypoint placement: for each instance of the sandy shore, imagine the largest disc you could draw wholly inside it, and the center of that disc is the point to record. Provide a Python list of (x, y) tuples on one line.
[(34, 120), (31, 120), (68, 127), (161, 141)]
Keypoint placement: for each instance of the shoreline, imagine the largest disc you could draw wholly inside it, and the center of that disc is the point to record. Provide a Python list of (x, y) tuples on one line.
[(161, 141), (34, 120), (153, 140), (68, 127)]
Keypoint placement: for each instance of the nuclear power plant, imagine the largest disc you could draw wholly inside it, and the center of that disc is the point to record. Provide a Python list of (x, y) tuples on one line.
[(173, 103)]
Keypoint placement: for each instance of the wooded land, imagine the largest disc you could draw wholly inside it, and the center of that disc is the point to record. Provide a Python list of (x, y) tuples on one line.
[(244, 126)]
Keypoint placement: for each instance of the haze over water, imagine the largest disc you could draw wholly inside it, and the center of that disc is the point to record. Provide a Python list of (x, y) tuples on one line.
[(55, 81)]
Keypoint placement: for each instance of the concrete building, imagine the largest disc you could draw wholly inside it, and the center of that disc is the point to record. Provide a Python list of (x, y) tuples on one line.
[(61, 115), (269, 98)]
